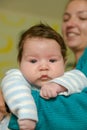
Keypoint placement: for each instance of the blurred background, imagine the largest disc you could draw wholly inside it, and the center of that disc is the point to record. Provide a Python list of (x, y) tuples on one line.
[(18, 15)]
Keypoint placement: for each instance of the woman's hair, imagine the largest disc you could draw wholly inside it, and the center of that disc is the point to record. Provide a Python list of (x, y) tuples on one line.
[(73, 0), (41, 31)]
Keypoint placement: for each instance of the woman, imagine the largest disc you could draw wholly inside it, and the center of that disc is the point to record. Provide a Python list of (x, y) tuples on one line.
[(2, 106), (74, 26), (74, 35)]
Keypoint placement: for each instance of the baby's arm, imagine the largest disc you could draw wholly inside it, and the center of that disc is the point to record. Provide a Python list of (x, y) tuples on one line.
[(27, 124), (73, 81), (17, 94), (51, 90)]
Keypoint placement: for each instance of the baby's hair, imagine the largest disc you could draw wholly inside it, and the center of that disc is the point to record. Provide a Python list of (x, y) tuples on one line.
[(41, 31)]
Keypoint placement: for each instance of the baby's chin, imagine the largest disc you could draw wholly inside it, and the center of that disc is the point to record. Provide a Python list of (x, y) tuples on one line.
[(40, 84)]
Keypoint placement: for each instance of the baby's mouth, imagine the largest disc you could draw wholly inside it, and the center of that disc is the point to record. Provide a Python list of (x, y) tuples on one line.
[(44, 78)]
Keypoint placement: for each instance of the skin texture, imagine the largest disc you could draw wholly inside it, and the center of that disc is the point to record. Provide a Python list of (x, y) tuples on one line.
[(74, 26), (40, 65)]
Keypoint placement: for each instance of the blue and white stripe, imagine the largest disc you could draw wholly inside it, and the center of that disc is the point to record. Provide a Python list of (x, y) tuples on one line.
[(75, 81), (17, 94)]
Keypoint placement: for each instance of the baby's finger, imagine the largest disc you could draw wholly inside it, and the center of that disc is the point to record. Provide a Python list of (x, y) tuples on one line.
[(43, 95)]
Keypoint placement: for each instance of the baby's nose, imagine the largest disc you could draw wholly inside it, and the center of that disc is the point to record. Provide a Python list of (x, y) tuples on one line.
[(44, 66)]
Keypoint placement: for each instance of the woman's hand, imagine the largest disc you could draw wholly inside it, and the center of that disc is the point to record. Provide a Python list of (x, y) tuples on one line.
[(3, 111)]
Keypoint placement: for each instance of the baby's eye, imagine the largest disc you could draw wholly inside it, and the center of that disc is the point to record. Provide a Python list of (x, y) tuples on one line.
[(52, 60), (33, 61)]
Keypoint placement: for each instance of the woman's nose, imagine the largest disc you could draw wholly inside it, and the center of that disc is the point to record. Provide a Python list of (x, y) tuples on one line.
[(71, 22)]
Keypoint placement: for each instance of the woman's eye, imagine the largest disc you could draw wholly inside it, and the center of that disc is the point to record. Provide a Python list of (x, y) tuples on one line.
[(33, 61), (83, 18), (83, 15), (66, 18), (52, 60)]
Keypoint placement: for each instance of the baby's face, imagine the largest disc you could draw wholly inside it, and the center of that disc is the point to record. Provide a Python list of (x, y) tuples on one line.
[(41, 61)]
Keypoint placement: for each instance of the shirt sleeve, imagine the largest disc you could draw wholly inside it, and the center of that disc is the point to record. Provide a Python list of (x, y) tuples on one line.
[(17, 94), (75, 81)]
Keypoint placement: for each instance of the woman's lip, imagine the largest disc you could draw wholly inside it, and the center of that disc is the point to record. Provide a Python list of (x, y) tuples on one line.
[(72, 33)]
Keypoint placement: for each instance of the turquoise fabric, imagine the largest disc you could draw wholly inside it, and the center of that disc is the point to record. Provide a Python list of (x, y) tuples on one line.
[(82, 63), (61, 113)]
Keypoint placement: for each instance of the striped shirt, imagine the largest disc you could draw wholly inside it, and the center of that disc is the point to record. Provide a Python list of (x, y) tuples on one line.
[(17, 94), (4, 123), (75, 81), (17, 91)]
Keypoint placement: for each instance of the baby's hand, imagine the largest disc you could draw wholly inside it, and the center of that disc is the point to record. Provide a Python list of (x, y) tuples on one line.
[(26, 124), (51, 90), (3, 111)]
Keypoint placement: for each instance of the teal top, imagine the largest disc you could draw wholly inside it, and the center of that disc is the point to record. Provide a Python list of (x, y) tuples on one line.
[(82, 63), (61, 113)]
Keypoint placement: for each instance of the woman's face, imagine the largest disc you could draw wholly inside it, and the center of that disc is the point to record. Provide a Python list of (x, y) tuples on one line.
[(74, 27)]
